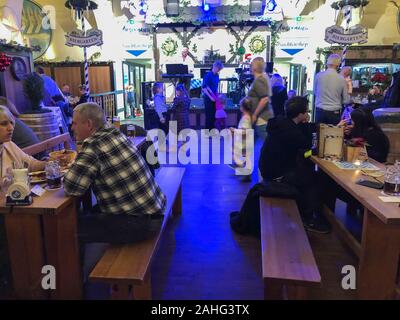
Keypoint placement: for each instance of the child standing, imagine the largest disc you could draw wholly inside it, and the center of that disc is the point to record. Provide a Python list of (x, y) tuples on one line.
[(181, 107), (241, 156), (220, 114), (161, 107)]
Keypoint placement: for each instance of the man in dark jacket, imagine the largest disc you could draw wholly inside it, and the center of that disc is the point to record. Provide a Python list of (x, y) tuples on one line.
[(282, 159)]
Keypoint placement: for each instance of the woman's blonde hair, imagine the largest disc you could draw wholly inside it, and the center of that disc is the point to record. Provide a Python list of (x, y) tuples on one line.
[(258, 65), (7, 113)]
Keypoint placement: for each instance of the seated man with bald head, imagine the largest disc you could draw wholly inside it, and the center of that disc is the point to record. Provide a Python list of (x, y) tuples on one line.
[(130, 204)]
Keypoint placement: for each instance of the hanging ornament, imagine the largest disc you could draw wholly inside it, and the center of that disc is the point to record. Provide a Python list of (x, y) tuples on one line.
[(78, 7), (5, 61)]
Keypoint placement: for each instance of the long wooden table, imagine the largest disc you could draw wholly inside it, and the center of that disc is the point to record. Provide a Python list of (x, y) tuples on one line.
[(379, 249), (45, 233)]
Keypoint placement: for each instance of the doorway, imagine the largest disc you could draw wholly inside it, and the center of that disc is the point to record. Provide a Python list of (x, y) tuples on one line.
[(133, 75)]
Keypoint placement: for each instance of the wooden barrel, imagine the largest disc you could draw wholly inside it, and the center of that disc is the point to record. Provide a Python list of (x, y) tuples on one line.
[(45, 125), (389, 120)]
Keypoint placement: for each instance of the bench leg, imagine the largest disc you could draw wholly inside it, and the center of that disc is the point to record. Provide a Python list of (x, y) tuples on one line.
[(273, 290), (142, 292), (177, 208), (297, 293), (120, 292)]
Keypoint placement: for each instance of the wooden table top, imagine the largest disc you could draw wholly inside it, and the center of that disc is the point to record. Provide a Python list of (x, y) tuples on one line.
[(389, 213)]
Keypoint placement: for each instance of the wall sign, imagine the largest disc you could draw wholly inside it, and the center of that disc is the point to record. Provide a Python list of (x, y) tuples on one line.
[(93, 37), (357, 34), (33, 28)]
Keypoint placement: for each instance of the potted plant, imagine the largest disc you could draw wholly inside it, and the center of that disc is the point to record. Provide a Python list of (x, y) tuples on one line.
[(33, 86)]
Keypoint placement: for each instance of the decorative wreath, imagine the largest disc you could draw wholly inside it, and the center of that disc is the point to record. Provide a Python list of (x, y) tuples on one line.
[(354, 3), (169, 47), (257, 44)]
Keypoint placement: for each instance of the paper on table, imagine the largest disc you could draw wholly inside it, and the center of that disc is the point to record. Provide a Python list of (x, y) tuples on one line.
[(390, 199), (38, 190)]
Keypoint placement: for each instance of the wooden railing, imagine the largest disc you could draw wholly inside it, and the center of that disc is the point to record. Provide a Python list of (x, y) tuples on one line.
[(108, 101)]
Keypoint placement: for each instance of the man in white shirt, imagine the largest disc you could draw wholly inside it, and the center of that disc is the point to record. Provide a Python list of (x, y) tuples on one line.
[(331, 92)]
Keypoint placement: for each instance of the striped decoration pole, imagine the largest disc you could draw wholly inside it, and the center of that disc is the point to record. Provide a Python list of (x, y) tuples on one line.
[(347, 16), (85, 57)]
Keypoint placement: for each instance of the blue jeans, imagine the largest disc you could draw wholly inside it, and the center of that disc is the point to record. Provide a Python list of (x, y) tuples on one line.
[(260, 133), (327, 117)]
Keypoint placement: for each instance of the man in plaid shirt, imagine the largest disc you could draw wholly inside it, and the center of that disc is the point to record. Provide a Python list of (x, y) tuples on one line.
[(129, 202)]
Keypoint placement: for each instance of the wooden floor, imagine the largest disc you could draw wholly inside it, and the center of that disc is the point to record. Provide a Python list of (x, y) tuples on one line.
[(202, 258)]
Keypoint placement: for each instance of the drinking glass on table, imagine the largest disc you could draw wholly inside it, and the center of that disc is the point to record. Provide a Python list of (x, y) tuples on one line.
[(131, 130), (53, 174), (391, 184)]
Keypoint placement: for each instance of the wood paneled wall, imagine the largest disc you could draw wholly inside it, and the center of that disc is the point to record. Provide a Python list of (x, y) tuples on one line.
[(100, 79), (101, 76), (70, 76)]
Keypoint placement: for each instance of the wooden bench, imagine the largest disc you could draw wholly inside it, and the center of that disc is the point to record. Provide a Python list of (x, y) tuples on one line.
[(126, 268), (62, 141), (288, 263)]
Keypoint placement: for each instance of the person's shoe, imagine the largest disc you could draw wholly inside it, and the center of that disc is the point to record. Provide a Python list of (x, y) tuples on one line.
[(246, 178), (235, 166), (317, 226)]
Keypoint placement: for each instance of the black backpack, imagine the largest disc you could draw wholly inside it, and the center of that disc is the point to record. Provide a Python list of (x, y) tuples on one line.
[(247, 220)]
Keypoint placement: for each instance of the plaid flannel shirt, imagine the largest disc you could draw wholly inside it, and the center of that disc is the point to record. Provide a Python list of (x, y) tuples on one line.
[(120, 179)]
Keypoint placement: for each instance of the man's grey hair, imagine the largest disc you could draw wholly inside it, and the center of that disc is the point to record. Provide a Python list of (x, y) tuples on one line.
[(92, 111), (7, 113), (334, 60)]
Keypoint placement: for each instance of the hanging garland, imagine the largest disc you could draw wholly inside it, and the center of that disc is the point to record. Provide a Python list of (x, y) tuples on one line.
[(257, 44), (169, 47), (354, 3)]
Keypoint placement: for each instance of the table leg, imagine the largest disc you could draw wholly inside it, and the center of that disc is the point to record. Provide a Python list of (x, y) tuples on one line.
[(26, 252), (62, 251), (379, 259)]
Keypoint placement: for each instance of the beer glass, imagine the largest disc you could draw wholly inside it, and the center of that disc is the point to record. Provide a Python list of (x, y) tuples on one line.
[(53, 175), (392, 180)]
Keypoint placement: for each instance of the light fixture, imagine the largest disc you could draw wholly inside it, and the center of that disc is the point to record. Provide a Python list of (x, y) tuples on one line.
[(171, 8), (271, 6), (256, 7), (206, 6)]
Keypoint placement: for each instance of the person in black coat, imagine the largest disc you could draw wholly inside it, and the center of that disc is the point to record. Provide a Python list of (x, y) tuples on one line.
[(364, 126), (283, 160), (279, 95)]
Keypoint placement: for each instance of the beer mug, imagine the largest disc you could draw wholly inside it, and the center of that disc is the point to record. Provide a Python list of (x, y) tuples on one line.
[(53, 174), (391, 184), (131, 130), (116, 122)]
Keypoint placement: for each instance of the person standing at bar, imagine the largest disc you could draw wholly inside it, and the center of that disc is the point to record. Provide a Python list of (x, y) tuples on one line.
[(331, 92), (211, 82)]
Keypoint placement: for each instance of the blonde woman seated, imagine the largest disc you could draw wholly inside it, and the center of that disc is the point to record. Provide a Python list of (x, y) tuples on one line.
[(10, 153)]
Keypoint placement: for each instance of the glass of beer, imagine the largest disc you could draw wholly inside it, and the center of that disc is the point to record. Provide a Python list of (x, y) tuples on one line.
[(131, 130), (53, 175), (391, 185), (116, 122)]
